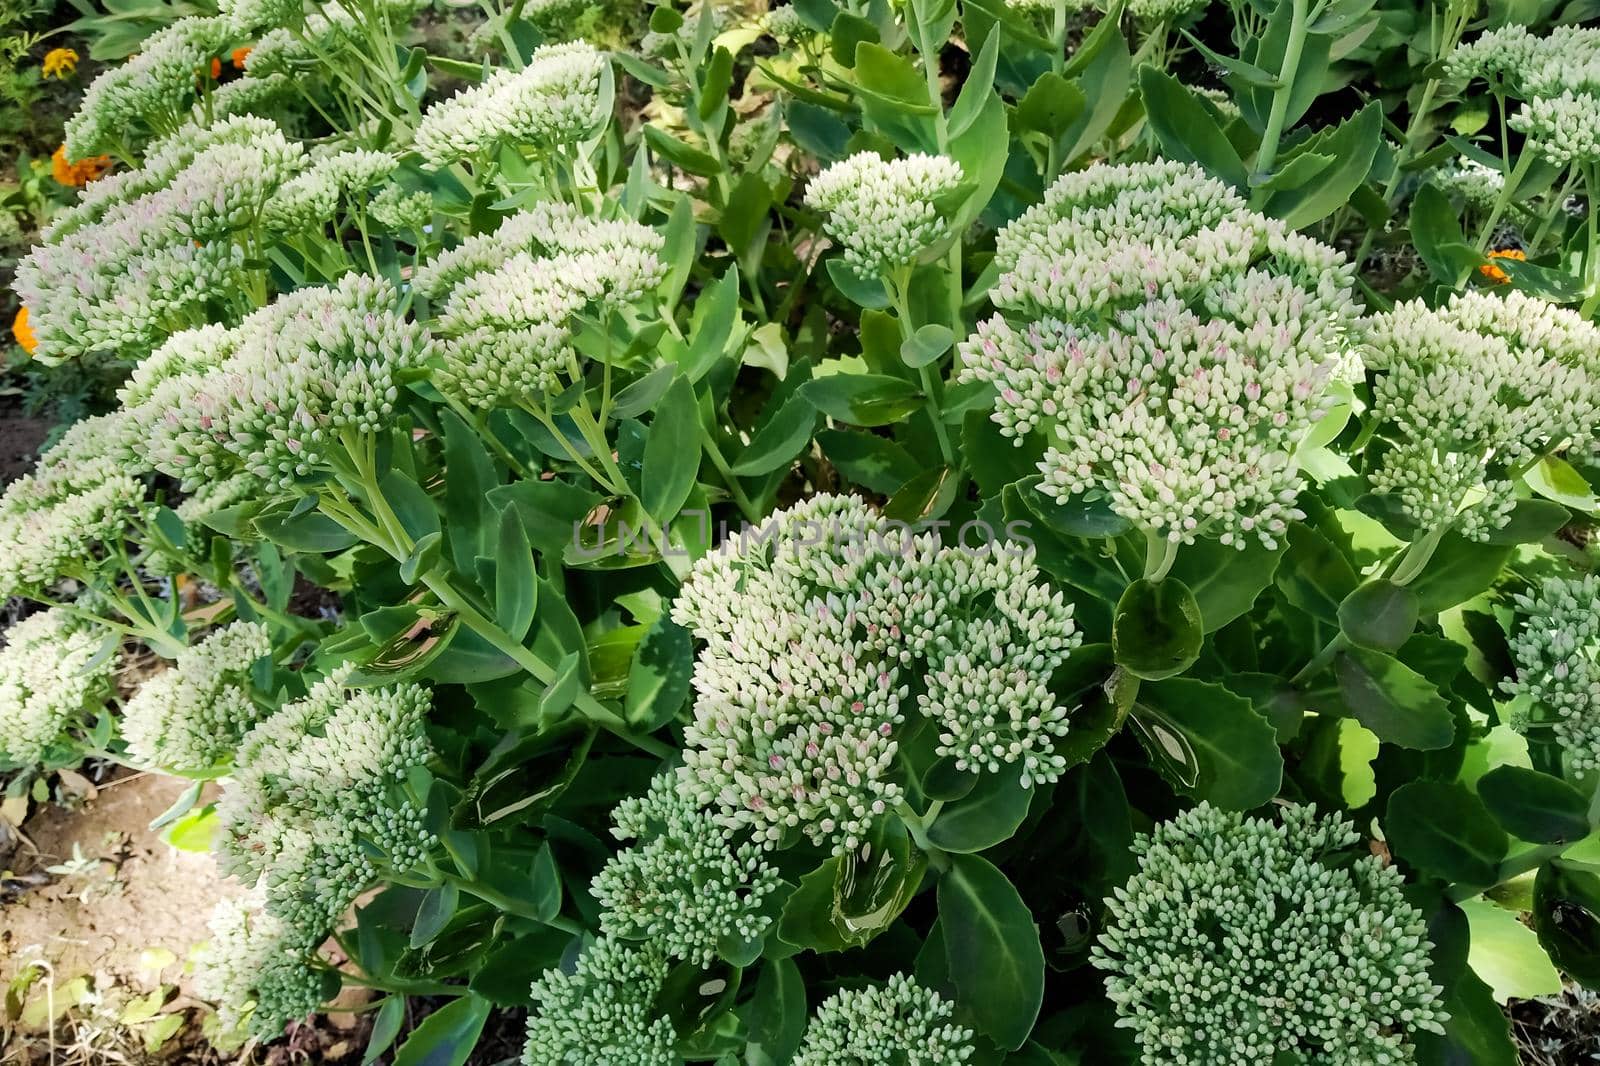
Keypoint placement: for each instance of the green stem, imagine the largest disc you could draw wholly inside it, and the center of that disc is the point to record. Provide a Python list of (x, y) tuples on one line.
[(1285, 90), (751, 512), (510, 904), (1159, 555), (1500, 204), (1511, 869), (902, 309), (1416, 557)]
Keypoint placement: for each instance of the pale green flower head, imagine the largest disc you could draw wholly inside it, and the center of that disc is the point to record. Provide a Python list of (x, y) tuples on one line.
[(55, 521), (510, 300), (318, 796), (900, 1022), (312, 199), (1257, 941), (687, 885), (600, 1012), (814, 625), (127, 270), (256, 969), (152, 91), (553, 102), (1565, 129), (190, 717), (886, 213), (1470, 392), (254, 16), (1556, 647), (404, 212), (1170, 346), (317, 363), (52, 668)]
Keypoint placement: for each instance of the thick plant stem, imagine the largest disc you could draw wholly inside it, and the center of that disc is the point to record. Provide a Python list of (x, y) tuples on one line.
[(1416, 557), (1276, 118), (902, 310), (1160, 553)]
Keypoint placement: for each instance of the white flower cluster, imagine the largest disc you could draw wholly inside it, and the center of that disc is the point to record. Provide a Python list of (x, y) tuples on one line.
[(552, 102), (250, 96), (510, 298), (401, 211), (1471, 393), (900, 1021), (317, 790), (152, 91), (255, 968), (785, 25), (1528, 65), (213, 496), (54, 520), (158, 249), (1565, 129), (1557, 652), (686, 885), (311, 199), (1248, 941), (189, 718), (317, 363), (50, 666), (601, 1012), (252, 16), (886, 213), (1176, 351), (1475, 184), (1557, 77), (817, 622), (554, 17), (1164, 12)]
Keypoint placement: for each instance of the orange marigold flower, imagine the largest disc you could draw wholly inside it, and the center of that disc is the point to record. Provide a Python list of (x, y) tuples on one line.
[(79, 173), (216, 68), (239, 56), (59, 62), (1494, 273), (23, 332)]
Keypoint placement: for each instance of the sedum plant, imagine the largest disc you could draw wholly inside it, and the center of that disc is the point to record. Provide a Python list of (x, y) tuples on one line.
[(1250, 941), (911, 533)]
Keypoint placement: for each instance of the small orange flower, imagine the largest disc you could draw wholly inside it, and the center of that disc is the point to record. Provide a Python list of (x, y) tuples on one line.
[(1494, 273), (216, 68), (80, 173), (60, 62), (239, 56), (23, 332)]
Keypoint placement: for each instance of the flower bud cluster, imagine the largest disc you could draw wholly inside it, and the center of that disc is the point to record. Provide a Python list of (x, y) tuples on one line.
[(303, 371), (1556, 648), (152, 91), (825, 628), (318, 796), (553, 102), (886, 213), (897, 1021), (1175, 349), (687, 885), (1248, 940), (1471, 393), (51, 666), (189, 718)]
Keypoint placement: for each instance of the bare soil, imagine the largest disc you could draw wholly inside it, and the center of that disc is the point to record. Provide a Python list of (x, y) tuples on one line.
[(141, 894)]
